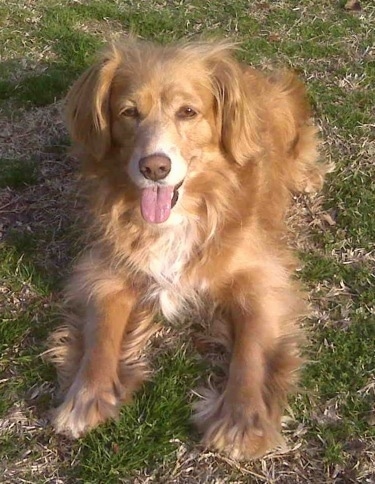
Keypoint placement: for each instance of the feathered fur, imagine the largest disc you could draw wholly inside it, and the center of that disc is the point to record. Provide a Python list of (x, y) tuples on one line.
[(248, 145)]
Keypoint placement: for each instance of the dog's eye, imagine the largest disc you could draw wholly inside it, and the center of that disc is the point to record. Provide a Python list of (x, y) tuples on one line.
[(130, 112), (186, 112)]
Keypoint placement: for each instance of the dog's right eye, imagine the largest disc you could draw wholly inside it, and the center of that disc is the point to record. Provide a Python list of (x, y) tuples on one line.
[(186, 112), (130, 112)]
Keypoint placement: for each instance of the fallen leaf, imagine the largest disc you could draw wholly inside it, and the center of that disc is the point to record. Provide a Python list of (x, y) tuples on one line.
[(371, 418), (355, 446), (264, 6), (274, 38), (353, 5), (327, 217)]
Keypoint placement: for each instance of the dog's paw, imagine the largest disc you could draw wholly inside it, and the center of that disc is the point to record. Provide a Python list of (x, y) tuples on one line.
[(84, 408), (242, 430)]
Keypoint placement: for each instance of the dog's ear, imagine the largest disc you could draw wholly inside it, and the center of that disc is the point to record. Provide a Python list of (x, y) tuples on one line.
[(237, 117), (87, 105)]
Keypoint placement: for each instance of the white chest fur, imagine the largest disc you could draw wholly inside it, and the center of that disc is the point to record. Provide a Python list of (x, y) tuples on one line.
[(167, 259)]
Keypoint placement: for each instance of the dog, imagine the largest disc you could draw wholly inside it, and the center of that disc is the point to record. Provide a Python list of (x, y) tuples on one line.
[(189, 159)]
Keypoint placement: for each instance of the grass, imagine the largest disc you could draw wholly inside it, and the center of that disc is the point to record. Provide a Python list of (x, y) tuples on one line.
[(45, 45), (155, 425), (17, 173)]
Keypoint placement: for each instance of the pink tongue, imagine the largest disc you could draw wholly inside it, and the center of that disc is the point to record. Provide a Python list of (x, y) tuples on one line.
[(156, 203)]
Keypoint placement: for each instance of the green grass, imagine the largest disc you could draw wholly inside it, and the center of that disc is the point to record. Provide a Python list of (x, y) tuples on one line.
[(45, 45), (147, 434), (17, 174)]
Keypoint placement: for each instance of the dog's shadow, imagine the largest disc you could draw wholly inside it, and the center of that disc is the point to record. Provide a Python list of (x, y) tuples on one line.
[(37, 233)]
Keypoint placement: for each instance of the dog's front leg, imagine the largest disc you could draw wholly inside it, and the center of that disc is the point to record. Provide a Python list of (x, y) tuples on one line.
[(96, 392), (244, 421)]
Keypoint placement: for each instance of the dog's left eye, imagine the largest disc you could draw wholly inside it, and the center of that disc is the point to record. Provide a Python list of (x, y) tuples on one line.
[(186, 112), (130, 112)]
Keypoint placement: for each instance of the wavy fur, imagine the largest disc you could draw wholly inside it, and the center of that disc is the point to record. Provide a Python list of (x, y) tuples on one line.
[(248, 145)]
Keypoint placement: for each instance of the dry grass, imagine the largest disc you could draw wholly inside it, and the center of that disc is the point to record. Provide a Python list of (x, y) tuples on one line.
[(323, 229), (51, 203)]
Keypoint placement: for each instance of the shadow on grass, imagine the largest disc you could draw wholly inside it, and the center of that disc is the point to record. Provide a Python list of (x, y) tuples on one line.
[(36, 247)]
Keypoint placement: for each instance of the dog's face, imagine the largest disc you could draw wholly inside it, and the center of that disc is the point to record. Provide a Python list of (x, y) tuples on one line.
[(162, 121), (165, 114)]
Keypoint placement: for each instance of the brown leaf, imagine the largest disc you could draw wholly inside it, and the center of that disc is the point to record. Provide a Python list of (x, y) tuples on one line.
[(274, 38), (353, 5), (264, 6), (355, 446), (327, 217), (371, 418)]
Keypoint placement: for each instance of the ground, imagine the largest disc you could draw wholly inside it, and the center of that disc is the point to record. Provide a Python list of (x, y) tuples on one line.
[(329, 428)]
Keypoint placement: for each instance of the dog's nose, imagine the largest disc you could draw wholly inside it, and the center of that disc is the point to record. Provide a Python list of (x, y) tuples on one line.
[(155, 167)]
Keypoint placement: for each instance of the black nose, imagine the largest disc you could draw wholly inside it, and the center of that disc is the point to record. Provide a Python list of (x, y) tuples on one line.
[(155, 167)]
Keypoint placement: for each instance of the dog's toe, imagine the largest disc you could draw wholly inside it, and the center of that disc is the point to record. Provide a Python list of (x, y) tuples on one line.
[(240, 430), (84, 409)]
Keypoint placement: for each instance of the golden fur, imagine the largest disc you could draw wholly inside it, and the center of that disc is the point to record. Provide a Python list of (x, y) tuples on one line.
[(240, 142)]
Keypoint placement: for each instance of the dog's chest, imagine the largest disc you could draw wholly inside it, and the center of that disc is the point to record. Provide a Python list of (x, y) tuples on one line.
[(168, 258)]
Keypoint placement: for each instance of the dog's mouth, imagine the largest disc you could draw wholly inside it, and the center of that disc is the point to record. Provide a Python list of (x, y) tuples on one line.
[(157, 202)]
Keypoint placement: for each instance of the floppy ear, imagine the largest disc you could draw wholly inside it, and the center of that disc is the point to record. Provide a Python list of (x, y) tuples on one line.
[(237, 117), (87, 105)]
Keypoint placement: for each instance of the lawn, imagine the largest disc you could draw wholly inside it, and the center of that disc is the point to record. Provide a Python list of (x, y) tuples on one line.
[(329, 428)]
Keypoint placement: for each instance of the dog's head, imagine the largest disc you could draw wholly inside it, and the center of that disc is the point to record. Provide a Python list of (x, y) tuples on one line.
[(163, 113)]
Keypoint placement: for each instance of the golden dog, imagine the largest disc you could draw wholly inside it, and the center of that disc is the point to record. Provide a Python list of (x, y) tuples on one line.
[(189, 159)]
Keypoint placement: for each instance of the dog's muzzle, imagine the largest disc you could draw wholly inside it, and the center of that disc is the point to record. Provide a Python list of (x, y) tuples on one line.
[(157, 200)]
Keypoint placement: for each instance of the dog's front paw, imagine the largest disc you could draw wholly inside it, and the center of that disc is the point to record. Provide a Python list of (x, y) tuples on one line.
[(85, 407), (241, 429)]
